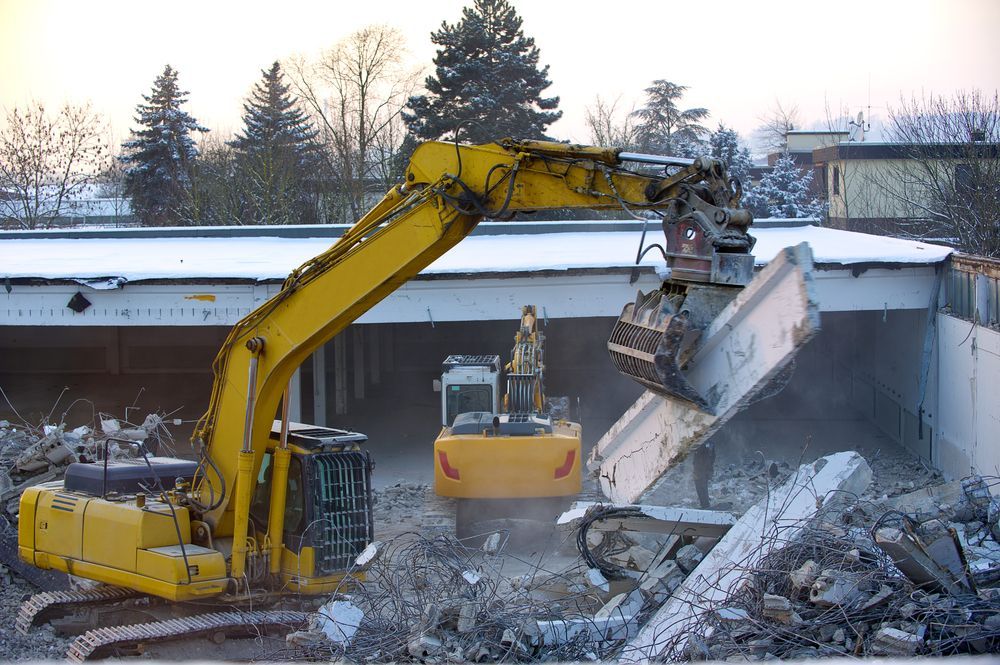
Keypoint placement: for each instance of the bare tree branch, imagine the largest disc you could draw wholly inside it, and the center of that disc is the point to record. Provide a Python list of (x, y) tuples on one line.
[(47, 159)]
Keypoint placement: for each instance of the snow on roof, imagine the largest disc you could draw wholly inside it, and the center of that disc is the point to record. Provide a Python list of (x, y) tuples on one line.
[(272, 258)]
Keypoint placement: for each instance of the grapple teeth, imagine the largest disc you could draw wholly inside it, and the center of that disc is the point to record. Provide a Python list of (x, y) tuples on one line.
[(646, 344)]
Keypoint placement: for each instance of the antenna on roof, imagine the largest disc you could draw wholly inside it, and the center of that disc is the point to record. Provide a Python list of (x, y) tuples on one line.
[(857, 128)]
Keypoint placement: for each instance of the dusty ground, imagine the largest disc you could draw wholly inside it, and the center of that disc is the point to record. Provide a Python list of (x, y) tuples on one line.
[(408, 505)]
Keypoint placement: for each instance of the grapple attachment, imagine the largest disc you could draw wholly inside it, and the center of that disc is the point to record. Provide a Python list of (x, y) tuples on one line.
[(650, 341)]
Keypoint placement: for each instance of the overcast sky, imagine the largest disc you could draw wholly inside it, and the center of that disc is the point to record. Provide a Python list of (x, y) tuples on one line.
[(736, 57)]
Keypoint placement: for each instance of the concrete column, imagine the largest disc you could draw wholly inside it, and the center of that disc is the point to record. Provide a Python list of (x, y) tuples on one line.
[(319, 386)]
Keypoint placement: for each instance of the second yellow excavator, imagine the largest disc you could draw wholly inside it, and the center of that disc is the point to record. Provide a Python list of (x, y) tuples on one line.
[(512, 448)]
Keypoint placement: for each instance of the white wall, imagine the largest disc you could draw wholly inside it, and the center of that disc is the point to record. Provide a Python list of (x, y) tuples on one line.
[(968, 434)]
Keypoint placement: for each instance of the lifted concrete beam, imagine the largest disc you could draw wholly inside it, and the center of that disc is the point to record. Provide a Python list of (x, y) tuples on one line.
[(778, 518), (747, 345)]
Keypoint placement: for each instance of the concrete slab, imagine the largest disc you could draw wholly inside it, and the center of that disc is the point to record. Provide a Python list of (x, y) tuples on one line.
[(723, 570), (746, 346)]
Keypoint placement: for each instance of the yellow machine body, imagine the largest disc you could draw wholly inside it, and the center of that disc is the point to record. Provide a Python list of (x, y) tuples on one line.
[(117, 542), (490, 465)]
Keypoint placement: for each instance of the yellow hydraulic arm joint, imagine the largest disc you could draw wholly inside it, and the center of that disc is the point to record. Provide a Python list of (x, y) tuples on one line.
[(245, 467), (279, 491)]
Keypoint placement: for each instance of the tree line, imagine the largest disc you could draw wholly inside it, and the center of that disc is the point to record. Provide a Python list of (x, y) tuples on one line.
[(322, 138)]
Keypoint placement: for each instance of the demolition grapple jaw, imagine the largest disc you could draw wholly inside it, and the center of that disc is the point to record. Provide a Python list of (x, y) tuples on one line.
[(647, 344), (707, 250)]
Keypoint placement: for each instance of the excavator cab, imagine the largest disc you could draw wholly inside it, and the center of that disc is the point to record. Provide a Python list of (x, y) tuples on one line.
[(329, 517)]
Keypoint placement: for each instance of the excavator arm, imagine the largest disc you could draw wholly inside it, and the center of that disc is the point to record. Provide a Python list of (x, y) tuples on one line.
[(448, 189)]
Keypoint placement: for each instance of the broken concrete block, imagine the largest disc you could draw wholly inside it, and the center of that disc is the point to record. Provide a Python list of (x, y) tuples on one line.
[(430, 619), (804, 576), (894, 642), (834, 587), (688, 558), (774, 316), (492, 544), (624, 605), (597, 580), (425, 646), (883, 594), (467, 616), (637, 558), (612, 628), (732, 614), (368, 556), (338, 620), (780, 609), (919, 565), (654, 590), (510, 641)]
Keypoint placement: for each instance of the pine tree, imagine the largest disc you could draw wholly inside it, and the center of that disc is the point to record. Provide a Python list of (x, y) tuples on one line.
[(664, 128), (725, 146), (275, 155), (487, 76), (160, 156), (784, 192)]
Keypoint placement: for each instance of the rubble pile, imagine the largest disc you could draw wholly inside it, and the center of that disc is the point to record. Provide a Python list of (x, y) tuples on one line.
[(33, 454), (435, 600), (869, 581)]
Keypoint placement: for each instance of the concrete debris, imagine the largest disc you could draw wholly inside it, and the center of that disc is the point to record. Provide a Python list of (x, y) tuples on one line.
[(780, 609), (339, 620), (368, 556), (725, 570), (688, 558), (930, 557), (34, 454), (425, 647), (805, 576), (894, 642), (625, 605), (834, 588), (492, 544), (828, 590), (597, 580)]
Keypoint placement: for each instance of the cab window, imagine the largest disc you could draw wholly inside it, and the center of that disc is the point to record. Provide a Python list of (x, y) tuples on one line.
[(463, 398)]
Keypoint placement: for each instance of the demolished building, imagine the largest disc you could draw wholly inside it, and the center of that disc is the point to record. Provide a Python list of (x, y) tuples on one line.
[(863, 358)]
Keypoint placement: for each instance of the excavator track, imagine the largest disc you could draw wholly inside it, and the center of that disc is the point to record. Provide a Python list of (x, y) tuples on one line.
[(41, 603), (219, 622)]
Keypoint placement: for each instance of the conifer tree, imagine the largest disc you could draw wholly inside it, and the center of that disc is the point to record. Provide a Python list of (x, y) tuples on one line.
[(488, 77), (664, 128), (725, 146), (160, 157), (275, 155), (784, 192)]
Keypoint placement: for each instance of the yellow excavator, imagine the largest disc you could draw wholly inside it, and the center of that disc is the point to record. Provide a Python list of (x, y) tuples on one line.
[(273, 508), (509, 450)]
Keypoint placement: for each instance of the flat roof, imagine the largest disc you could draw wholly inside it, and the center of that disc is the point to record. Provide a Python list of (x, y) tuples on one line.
[(110, 262)]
